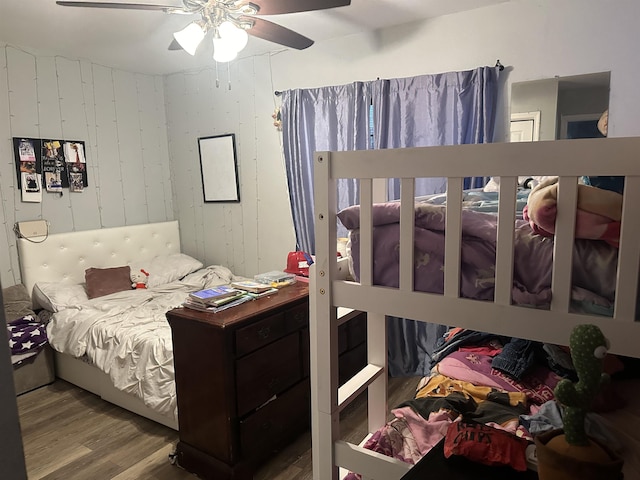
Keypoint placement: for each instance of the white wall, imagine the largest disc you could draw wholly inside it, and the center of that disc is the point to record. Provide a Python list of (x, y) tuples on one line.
[(119, 115), (254, 235), (534, 38)]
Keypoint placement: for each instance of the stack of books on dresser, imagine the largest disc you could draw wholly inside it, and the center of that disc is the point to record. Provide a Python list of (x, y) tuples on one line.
[(216, 299), (254, 289)]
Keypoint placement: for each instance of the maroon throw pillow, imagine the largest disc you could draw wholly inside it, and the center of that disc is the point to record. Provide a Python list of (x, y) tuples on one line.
[(103, 281)]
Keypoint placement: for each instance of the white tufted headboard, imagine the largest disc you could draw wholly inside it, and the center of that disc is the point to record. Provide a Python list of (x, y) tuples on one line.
[(63, 257)]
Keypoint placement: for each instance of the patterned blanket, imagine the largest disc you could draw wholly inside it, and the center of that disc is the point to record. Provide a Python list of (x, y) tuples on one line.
[(594, 262), (597, 216), (26, 335)]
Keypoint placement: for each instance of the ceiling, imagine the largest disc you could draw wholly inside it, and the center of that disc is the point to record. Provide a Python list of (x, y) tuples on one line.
[(137, 41)]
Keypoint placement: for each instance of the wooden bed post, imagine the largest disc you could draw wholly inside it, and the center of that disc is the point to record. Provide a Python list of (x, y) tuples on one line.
[(323, 328)]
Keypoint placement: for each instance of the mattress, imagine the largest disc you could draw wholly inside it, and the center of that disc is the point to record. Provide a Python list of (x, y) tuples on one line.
[(127, 336)]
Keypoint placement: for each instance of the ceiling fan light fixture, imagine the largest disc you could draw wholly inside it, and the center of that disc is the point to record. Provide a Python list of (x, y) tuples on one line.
[(223, 51), (190, 37), (235, 37)]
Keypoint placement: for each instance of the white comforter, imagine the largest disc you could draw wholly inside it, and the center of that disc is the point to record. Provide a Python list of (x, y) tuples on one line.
[(127, 336)]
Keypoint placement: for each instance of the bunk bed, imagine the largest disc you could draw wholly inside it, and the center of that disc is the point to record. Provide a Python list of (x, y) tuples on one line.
[(567, 159)]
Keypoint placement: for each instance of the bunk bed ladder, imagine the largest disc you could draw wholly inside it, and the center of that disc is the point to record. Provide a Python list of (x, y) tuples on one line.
[(327, 399)]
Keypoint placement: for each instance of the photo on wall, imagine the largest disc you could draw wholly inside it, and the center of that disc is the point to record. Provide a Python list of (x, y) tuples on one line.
[(53, 166), (27, 157), (76, 165), (49, 165), (31, 187)]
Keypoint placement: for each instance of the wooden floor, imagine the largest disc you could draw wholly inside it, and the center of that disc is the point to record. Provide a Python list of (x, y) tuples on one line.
[(71, 434)]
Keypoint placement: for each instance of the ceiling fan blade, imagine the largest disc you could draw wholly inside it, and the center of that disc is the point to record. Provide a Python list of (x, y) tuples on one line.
[(277, 33), (277, 7), (124, 6)]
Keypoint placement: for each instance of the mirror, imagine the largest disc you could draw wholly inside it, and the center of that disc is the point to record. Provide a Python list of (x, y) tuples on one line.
[(559, 108)]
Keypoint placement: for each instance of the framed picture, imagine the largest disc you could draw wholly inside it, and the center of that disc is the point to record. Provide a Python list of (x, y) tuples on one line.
[(219, 167)]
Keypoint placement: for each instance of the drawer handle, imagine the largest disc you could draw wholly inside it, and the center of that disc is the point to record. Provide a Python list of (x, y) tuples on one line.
[(265, 426), (264, 332)]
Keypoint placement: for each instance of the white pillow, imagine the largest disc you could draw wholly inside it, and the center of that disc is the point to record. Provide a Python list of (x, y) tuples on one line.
[(167, 268), (54, 296), (493, 185)]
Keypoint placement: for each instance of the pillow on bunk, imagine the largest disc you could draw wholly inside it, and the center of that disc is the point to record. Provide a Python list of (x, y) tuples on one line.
[(167, 268), (54, 296), (17, 302), (103, 281), (493, 185)]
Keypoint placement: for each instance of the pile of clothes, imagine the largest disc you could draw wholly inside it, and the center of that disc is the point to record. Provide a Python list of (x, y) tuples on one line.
[(488, 396)]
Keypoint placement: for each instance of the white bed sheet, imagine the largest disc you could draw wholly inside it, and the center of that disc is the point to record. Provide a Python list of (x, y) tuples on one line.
[(127, 336)]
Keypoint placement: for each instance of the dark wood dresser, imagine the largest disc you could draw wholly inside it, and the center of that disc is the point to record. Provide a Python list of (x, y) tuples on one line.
[(242, 382)]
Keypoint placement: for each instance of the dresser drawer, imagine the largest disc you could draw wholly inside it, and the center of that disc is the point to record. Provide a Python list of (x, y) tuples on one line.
[(275, 424), (297, 317), (260, 333), (267, 372)]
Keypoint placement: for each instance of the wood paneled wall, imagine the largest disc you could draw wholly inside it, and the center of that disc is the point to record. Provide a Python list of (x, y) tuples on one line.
[(256, 234), (121, 118)]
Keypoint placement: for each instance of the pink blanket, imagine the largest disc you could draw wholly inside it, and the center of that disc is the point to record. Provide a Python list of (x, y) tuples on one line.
[(597, 217)]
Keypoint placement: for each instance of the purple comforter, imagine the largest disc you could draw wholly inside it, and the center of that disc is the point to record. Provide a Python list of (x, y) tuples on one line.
[(594, 262)]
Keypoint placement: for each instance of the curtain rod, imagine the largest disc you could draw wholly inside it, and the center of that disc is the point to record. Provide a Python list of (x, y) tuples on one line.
[(277, 93)]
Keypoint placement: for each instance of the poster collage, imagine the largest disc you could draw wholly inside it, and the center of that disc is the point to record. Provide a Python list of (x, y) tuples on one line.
[(49, 165)]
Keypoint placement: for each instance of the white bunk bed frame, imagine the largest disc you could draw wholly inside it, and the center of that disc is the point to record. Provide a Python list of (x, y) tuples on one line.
[(568, 159), (64, 257)]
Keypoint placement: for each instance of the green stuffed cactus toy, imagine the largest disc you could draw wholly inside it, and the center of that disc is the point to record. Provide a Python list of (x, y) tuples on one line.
[(569, 454), (588, 349)]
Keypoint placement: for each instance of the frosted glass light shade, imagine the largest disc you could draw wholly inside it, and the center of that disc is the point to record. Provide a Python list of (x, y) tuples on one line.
[(190, 37), (223, 51), (236, 37)]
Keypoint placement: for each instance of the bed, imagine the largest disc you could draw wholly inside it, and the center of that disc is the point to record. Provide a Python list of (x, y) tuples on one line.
[(496, 313), (118, 345)]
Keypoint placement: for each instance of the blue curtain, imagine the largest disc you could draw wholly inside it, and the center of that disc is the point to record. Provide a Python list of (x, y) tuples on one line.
[(321, 119), (444, 109)]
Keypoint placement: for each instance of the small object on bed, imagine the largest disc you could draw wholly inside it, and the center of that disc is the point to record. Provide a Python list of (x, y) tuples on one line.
[(599, 212), (139, 279)]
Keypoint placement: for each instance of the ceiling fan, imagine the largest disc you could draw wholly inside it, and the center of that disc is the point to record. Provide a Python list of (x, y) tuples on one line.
[(231, 21)]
